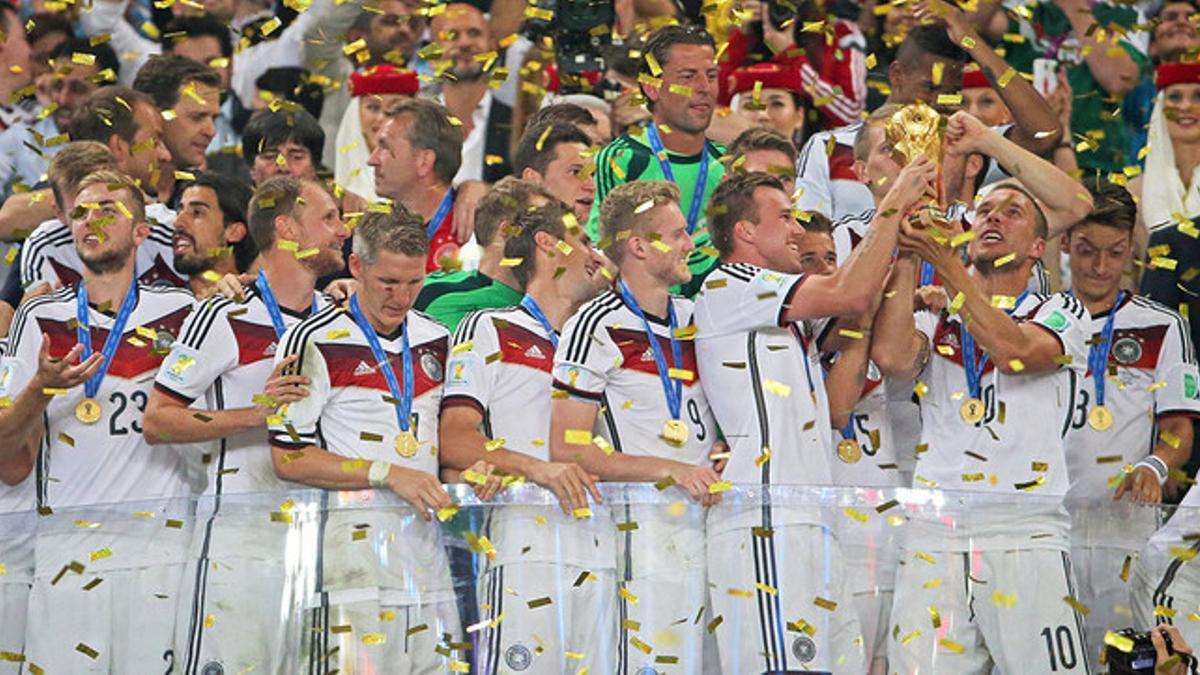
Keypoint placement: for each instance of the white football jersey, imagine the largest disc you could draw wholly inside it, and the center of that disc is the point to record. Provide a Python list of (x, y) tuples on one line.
[(1018, 447), (49, 253), (871, 427), (501, 366), (825, 177), (604, 355), (224, 355), (345, 411), (110, 460), (1151, 372), (763, 377)]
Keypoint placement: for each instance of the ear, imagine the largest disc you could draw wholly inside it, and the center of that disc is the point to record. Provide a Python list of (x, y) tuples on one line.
[(425, 161), (356, 267), (546, 243), (974, 166), (744, 230), (141, 231), (651, 92), (531, 175), (895, 74), (235, 233), (1038, 249), (860, 170), (117, 146), (284, 228)]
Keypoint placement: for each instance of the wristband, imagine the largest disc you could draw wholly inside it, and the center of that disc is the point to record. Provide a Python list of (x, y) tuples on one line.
[(378, 473), (1156, 465)]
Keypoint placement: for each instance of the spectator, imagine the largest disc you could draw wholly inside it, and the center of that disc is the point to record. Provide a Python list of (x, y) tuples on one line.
[(188, 95), (288, 86), (553, 155), (283, 143), (206, 40), (416, 156), (766, 151), (14, 70), (591, 114), (463, 34), (772, 96), (1174, 38), (130, 126), (373, 92), (46, 33), (1169, 191), (981, 100)]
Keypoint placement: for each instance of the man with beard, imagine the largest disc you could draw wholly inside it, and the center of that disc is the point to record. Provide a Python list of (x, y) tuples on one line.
[(224, 357), (682, 96), (88, 448), (463, 33), (211, 232), (79, 67), (128, 123)]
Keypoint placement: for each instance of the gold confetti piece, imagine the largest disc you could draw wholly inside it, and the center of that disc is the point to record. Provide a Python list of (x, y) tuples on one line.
[(769, 590), (763, 458), (1163, 263), (81, 647), (852, 334), (511, 262), (949, 99), (564, 247), (101, 554), (801, 626), (712, 625), (459, 667), (1016, 365), (658, 245), (935, 617), (627, 595), (921, 389), (938, 67), (681, 374), (824, 603), (1119, 642), (952, 645), (910, 637), (1004, 599), (582, 513), (739, 593), (416, 629), (633, 640), (1004, 260), (681, 90), (855, 514), (1077, 605), (454, 121), (719, 486), (541, 602), (578, 437), (655, 69), (53, 391), (446, 513), (778, 388), (1007, 75)]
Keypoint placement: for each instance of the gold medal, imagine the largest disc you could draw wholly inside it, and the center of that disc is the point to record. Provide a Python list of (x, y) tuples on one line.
[(675, 432), (406, 444), (971, 411), (88, 411), (1100, 418), (849, 451)]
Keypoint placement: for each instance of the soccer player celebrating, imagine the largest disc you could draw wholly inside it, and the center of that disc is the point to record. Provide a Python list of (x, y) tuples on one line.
[(508, 399), (756, 333), (1140, 360), (370, 420), (627, 356), (993, 421), (224, 358), (76, 379)]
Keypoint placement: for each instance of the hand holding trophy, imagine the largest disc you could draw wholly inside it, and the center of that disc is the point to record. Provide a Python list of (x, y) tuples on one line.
[(916, 130)]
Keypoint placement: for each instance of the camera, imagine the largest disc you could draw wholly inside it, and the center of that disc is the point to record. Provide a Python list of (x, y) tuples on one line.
[(1140, 659), (580, 29)]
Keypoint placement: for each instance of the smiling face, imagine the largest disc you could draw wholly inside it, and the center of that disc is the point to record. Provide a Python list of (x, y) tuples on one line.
[(70, 85), (580, 278), (1176, 33), (192, 129), (777, 110), (690, 70), (986, 105), (372, 115), (818, 255), (915, 82), (105, 234), (776, 234), (320, 227), (1099, 255), (1005, 224), (1181, 107), (199, 231), (398, 26), (666, 261)]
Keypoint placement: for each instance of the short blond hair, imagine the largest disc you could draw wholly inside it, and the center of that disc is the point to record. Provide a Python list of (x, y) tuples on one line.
[(74, 162), (624, 212), (115, 180)]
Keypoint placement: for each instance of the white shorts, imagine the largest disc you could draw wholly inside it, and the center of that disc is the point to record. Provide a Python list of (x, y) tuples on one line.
[(580, 620), (366, 637), (1001, 608), (14, 602), (1163, 580), (765, 583), (663, 600)]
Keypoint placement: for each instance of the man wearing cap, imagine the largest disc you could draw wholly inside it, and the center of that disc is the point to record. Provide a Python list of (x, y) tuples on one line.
[(771, 96), (373, 92)]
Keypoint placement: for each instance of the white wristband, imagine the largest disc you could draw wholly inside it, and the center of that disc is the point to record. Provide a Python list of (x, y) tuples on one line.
[(1156, 465), (378, 473)]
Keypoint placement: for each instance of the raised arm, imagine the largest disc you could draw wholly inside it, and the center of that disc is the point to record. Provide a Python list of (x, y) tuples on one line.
[(1066, 201), (854, 287), (898, 349), (1110, 63)]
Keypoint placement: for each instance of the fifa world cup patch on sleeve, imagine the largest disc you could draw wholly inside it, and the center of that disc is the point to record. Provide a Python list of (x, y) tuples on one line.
[(1057, 321), (6, 376), (1189, 385), (178, 366)]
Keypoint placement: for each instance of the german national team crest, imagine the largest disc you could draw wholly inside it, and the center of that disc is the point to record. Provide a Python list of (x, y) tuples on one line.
[(213, 668), (518, 657), (163, 341), (432, 367), (1127, 350), (804, 649), (647, 670)]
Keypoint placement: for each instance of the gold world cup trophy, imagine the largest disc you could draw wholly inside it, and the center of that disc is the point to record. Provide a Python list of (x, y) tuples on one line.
[(915, 130)]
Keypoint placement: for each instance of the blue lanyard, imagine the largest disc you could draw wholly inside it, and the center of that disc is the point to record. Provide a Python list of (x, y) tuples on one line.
[(83, 333), (403, 402), (1098, 354), (974, 368), (926, 273), (795, 328), (438, 216), (673, 391), (268, 298), (531, 305), (701, 185)]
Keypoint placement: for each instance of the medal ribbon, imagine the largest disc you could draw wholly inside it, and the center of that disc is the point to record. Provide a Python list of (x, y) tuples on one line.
[(926, 273), (268, 298), (1098, 354), (83, 333), (403, 401), (673, 391), (533, 308), (973, 368), (439, 216), (701, 185)]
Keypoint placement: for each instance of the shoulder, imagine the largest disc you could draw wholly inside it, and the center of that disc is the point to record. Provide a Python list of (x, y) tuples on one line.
[(310, 329), (744, 272), (592, 312), (426, 328), (1148, 311), (57, 302), (480, 322), (53, 229), (168, 294), (624, 145)]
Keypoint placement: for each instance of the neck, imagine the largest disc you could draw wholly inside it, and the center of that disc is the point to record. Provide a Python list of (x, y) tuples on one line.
[(290, 281), (746, 255), (1010, 283), (548, 294), (427, 197), (1100, 304), (651, 295), (1187, 158), (201, 287), (463, 97), (679, 141), (377, 323), (489, 264), (108, 288)]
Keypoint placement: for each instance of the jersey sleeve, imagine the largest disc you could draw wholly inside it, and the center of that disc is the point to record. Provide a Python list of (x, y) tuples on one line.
[(1176, 373), (812, 177), (206, 349), (34, 269), (296, 424), (471, 372), (606, 178), (758, 303), (585, 360), (1067, 319), (20, 360)]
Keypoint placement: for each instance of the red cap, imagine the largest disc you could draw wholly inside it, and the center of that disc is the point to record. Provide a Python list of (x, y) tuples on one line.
[(772, 76), (384, 79), (592, 76), (973, 78), (1177, 73)]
